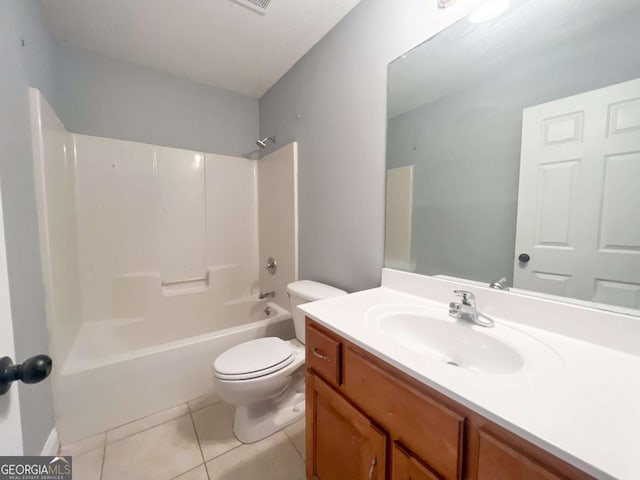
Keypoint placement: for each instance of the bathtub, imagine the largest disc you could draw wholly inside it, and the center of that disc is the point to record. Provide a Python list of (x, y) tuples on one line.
[(124, 369)]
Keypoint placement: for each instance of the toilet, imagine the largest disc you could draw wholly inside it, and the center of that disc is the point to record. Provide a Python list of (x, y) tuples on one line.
[(264, 378)]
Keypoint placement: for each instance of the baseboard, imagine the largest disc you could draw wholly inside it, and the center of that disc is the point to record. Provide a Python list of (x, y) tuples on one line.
[(52, 445)]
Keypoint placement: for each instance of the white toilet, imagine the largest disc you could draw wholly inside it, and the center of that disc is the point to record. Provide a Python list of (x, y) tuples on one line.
[(264, 378)]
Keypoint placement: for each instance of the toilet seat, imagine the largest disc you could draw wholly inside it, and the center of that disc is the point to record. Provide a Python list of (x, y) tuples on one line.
[(253, 359)]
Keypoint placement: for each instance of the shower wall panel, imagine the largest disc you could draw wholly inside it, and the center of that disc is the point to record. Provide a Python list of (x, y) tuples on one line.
[(155, 221), (232, 216), (55, 180), (278, 219), (181, 229), (117, 217)]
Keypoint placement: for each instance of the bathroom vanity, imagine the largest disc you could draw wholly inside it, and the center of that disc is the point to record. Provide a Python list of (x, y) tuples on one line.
[(381, 406), (368, 420)]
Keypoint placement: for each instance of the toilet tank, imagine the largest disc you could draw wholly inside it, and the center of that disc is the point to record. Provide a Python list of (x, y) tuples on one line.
[(305, 291)]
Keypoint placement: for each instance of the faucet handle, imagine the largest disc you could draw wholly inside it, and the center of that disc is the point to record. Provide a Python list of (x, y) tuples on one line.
[(468, 298), (499, 284), (271, 266)]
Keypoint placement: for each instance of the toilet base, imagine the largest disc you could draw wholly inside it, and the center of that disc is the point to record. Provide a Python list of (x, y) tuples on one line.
[(257, 421)]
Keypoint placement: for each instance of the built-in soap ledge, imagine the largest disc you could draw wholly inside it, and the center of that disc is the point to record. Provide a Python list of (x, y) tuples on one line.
[(187, 285), (143, 294)]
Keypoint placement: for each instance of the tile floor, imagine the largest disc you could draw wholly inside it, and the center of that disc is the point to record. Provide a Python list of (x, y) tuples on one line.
[(193, 441)]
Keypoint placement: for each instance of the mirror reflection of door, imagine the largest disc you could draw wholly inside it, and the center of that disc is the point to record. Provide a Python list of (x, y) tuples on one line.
[(579, 196), (455, 112)]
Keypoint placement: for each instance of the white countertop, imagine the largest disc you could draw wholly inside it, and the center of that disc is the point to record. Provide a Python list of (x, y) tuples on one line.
[(587, 411)]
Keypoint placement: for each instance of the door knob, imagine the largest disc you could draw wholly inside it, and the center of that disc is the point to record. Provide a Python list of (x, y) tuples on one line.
[(33, 370), (524, 258)]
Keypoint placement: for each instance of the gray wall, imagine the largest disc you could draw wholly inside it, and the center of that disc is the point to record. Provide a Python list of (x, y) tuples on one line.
[(23, 66), (97, 95), (466, 147), (465, 152), (333, 101)]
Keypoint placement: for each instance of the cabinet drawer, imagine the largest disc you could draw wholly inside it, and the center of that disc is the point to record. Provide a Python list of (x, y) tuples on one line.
[(429, 429), (498, 461), (323, 354), (405, 466)]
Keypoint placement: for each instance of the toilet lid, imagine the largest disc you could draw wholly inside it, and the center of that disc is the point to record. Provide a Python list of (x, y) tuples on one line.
[(254, 358)]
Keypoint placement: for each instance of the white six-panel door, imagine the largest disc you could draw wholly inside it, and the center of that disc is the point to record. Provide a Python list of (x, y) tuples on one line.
[(579, 197), (10, 427)]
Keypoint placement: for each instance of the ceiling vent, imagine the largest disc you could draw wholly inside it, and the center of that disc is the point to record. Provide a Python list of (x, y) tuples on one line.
[(259, 6)]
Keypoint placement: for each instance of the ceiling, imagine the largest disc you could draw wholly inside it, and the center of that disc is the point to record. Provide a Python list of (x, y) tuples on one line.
[(215, 42)]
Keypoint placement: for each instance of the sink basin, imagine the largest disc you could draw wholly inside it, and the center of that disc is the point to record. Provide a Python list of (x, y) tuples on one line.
[(430, 331)]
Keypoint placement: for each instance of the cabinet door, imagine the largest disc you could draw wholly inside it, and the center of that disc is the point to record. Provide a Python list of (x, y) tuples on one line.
[(405, 466), (427, 427), (342, 443), (498, 461)]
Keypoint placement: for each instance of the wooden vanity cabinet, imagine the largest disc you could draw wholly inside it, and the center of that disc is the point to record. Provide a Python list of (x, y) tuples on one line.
[(405, 466), (368, 420), (498, 460), (429, 428), (343, 443)]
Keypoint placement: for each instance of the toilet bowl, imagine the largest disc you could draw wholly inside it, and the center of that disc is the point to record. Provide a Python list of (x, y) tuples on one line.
[(264, 378)]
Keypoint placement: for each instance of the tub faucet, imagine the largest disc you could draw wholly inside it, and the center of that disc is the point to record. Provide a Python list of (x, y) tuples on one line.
[(264, 295), (467, 311)]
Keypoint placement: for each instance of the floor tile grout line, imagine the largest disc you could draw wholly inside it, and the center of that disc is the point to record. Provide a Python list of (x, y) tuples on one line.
[(195, 431), (104, 457), (293, 444), (75, 453), (191, 470), (147, 416), (194, 410), (198, 437), (224, 453), (242, 444), (105, 442), (146, 429), (105, 432)]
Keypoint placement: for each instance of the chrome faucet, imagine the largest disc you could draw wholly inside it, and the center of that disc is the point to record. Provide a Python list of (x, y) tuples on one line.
[(467, 311), (264, 295)]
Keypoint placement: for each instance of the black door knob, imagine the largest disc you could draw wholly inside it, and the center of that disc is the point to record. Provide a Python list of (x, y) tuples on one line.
[(33, 370), (524, 258)]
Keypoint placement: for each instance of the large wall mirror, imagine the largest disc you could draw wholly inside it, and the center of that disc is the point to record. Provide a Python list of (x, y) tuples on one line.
[(513, 151)]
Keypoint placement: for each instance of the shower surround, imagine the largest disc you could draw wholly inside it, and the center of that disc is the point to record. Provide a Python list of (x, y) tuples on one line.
[(151, 262)]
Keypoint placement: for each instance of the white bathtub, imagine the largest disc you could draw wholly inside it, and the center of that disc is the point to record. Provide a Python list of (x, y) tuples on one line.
[(125, 369)]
